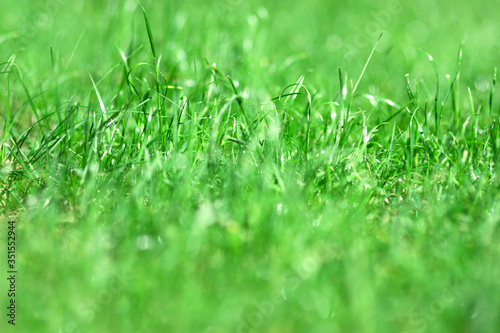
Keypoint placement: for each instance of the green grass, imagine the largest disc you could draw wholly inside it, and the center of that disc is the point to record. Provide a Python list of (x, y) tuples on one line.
[(251, 166)]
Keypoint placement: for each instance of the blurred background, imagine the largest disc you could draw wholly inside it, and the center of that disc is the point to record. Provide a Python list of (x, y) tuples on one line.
[(268, 45)]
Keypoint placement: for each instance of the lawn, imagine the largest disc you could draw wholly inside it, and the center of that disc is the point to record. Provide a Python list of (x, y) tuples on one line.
[(249, 166)]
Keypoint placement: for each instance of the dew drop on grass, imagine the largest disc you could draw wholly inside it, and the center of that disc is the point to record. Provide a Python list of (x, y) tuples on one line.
[(205, 216), (143, 242), (130, 5), (482, 84)]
